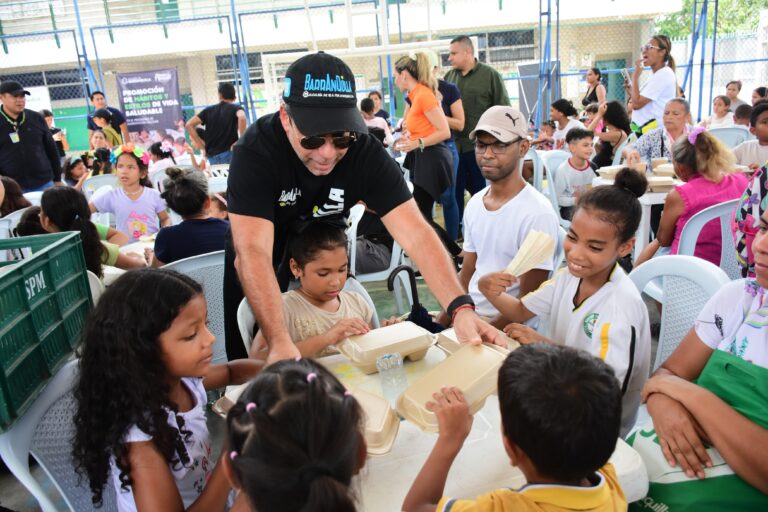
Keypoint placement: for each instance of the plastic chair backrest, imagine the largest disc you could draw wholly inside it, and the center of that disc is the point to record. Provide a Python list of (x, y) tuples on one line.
[(246, 319), (45, 431), (94, 183), (34, 197), (551, 192), (96, 286), (538, 169), (353, 219), (687, 284), (690, 235), (13, 218), (731, 136), (157, 178), (219, 170), (559, 249), (217, 185), (617, 153), (208, 270)]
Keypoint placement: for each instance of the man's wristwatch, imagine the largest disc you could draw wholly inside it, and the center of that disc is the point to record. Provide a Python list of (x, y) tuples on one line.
[(459, 303)]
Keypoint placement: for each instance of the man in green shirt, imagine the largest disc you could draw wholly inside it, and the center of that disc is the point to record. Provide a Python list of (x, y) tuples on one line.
[(481, 87)]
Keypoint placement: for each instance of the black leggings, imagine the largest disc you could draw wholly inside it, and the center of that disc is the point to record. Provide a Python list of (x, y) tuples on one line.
[(425, 203)]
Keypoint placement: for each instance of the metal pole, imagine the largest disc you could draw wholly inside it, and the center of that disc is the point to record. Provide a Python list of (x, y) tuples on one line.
[(714, 53), (240, 59), (309, 21), (399, 23), (429, 22), (703, 25), (88, 67), (350, 25)]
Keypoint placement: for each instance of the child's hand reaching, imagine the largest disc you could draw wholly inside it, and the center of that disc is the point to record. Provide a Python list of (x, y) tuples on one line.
[(523, 334), (452, 413), (495, 283), (390, 321), (347, 327)]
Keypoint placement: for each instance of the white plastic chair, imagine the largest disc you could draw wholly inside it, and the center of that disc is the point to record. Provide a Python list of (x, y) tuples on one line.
[(690, 234), (731, 136), (687, 283), (94, 183), (217, 185), (538, 169), (219, 170), (45, 431), (12, 220), (551, 192), (208, 270), (617, 154), (246, 319), (559, 249), (157, 178), (96, 286), (34, 197)]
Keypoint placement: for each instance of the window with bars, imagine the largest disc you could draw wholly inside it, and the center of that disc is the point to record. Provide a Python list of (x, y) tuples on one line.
[(225, 66), (504, 47), (63, 84)]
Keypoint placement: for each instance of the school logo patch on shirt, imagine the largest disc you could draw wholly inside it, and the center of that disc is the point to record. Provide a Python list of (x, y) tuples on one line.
[(589, 324)]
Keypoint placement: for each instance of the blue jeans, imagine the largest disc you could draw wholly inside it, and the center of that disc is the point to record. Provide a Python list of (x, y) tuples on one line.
[(221, 158), (468, 177), (448, 199), (38, 189)]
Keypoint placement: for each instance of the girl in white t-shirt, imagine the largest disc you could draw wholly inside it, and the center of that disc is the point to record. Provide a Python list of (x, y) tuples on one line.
[(564, 114), (145, 365), (707, 445), (592, 304), (722, 117), (320, 313), (648, 102)]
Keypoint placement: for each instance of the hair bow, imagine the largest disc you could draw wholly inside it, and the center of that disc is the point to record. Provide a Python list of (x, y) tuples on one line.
[(694, 134), (137, 151), (166, 146)]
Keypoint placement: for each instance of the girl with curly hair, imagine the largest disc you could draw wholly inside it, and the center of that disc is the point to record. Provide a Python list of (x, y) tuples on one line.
[(145, 365), (138, 208), (296, 441)]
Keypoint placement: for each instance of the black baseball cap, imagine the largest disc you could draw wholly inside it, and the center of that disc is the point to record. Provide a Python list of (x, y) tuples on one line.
[(11, 87), (320, 95)]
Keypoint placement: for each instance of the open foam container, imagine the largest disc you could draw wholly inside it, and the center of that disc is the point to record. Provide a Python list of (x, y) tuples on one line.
[(664, 170), (449, 342), (660, 183), (405, 338), (381, 422), (472, 368)]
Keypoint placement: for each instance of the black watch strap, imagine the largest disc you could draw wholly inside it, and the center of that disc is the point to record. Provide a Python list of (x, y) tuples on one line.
[(461, 300)]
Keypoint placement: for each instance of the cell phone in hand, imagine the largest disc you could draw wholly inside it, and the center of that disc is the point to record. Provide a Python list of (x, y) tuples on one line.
[(625, 74)]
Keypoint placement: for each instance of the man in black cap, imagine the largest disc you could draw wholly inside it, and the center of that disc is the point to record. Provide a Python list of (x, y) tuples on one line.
[(28, 153), (312, 160)]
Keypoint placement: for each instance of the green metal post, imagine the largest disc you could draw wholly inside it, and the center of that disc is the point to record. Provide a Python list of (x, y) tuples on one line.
[(53, 24), (5, 45), (109, 20)]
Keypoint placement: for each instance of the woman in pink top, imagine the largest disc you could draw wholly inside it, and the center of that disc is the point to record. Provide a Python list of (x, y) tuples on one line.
[(705, 165)]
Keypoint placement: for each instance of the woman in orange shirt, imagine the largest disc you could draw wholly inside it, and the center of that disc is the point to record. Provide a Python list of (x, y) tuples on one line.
[(426, 127)]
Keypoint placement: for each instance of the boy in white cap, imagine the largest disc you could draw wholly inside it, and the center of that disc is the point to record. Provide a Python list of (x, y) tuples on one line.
[(498, 218)]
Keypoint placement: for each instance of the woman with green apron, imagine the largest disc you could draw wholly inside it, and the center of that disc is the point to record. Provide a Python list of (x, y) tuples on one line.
[(707, 448)]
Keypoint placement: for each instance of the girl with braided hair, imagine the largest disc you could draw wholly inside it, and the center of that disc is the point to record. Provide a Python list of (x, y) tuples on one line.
[(145, 364), (295, 440)]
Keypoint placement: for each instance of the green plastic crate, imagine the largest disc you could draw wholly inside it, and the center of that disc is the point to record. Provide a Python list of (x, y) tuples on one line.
[(44, 300)]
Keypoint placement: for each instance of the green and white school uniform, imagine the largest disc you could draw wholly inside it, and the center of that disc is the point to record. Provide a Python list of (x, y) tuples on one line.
[(734, 323), (612, 324)]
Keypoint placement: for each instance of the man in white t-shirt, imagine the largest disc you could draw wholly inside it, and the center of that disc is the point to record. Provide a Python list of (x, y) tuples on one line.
[(754, 153), (498, 218)]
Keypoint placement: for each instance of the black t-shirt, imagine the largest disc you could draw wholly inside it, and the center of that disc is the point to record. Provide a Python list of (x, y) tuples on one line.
[(267, 180), (28, 153), (220, 127), (190, 238)]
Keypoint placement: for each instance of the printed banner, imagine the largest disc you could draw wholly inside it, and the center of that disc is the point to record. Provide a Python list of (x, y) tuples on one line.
[(150, 102)]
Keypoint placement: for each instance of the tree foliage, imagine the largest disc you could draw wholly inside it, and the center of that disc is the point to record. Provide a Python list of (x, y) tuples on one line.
[(733, 16)]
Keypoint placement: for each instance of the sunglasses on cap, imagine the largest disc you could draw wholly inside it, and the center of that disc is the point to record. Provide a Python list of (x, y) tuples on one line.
[(340, 140)]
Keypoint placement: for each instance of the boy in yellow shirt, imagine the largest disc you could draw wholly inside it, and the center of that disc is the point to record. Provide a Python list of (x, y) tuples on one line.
[(560, 415)]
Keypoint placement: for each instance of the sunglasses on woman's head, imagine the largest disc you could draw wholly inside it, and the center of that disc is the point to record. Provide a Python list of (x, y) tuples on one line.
[(340, 140)]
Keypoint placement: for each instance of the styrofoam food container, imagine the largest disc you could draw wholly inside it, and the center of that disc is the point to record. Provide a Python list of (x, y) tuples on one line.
[(405, 338), (664, 170), (610, 171), (660, 183), (655, 162), (448, 341), (473, 369), (381, 422)]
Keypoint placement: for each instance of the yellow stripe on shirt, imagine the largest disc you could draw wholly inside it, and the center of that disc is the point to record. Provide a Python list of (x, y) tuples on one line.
[(604, 340)]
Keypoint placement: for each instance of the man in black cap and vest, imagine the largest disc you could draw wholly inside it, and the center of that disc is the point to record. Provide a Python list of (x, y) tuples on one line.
[(28, 153), (312, 160)]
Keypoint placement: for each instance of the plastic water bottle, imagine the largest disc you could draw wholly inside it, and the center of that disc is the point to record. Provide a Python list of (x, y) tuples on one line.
[(393, 378)]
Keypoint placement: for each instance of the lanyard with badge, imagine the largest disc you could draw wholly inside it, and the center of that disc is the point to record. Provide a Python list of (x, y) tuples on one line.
[(15, 124)]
